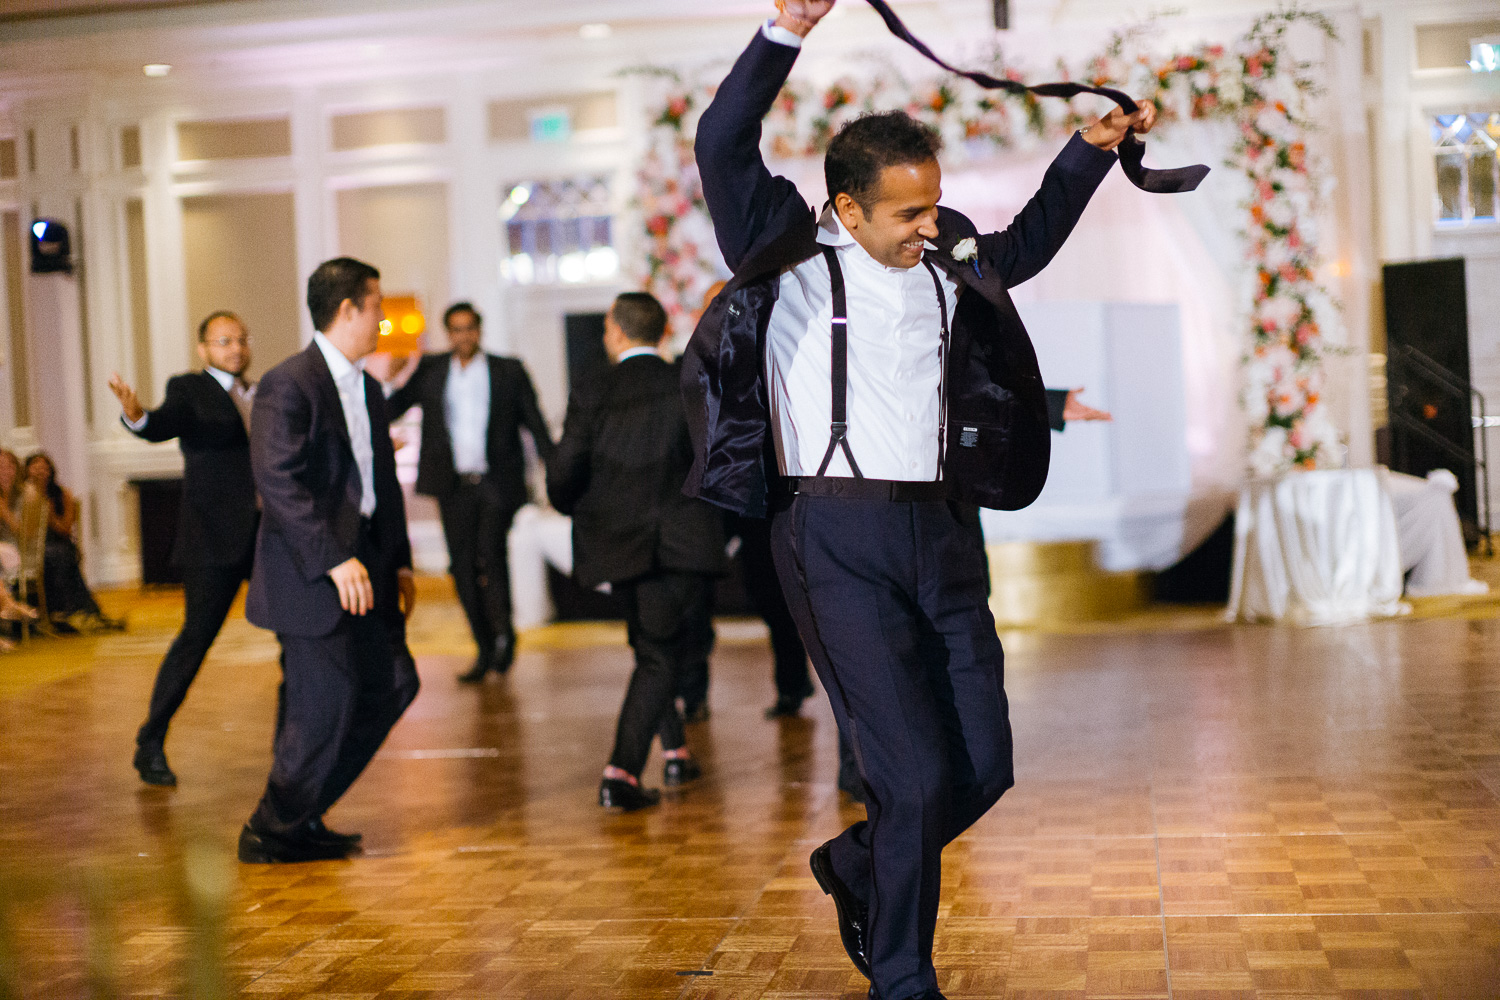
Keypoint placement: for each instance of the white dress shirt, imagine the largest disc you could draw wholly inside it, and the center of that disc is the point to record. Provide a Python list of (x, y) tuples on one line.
[(637, 352), (222, 377), (895, 374), (349, 377), (466, 405)]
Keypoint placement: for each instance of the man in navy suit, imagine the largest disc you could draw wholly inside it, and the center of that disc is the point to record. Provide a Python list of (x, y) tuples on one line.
[(208, 412), (332, 568), (864, 376)]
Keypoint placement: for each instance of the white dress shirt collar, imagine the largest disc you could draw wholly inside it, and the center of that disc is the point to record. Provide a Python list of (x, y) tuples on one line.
[(222, 377), (637, 352), (339, 364)]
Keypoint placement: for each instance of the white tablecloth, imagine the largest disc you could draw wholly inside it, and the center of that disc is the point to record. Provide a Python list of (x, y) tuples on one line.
[(1432, 543), (538, 538), (1316, 548)]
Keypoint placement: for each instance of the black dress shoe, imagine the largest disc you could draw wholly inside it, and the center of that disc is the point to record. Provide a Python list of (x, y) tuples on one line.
[(505, 653), (617, 793), (476, 673), (785, 708), (924, 995), (151, 762), (317, 832), (679, 771), (260, 847), (854, 915)]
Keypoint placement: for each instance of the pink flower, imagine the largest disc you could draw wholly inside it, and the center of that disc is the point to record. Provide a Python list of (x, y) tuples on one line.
[(658, 225), (1185, 63)]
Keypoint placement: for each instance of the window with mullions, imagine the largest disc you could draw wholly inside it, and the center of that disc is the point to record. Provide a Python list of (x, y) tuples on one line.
[(559, 231), (1468, 168)]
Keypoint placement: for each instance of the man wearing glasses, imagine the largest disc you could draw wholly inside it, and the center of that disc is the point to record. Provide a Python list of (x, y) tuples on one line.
[(208, 412)]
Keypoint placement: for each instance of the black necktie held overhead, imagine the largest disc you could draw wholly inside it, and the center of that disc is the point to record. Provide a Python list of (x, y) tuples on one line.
[(1131, 150)]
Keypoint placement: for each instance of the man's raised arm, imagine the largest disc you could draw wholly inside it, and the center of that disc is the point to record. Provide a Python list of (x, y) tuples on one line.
[(742, 195)]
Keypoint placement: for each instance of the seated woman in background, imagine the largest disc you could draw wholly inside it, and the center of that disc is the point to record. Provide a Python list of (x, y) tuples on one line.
[(70, 605), (10, 551)]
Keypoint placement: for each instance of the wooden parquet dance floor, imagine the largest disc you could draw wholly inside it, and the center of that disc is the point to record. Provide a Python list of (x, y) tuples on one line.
[(1202, 810)]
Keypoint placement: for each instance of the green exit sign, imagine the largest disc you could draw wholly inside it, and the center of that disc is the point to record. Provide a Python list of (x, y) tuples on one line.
[(551, 125)]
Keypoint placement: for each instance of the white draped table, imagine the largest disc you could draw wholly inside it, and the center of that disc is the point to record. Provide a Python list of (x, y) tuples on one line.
[(1316, 548)]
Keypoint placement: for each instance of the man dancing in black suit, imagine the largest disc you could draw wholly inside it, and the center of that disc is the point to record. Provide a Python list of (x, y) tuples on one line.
[(473, 407), (332, 572), (896, 388), (618, 471), (208, 412)]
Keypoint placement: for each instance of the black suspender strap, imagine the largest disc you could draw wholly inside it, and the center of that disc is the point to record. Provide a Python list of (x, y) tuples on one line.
[(839, 368), (937, 283)]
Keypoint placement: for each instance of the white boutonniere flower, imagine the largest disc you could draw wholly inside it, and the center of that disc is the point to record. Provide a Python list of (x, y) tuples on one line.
[(968, 250)]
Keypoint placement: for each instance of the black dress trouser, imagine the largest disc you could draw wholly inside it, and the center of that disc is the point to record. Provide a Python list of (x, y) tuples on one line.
[(890, 599), (476, 525), (340, 695), (667, 613), (208, 593), (793, 682)]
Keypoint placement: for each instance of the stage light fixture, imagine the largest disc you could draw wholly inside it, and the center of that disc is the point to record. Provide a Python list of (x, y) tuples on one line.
[(51, 248), (156, 69), (595, 32)]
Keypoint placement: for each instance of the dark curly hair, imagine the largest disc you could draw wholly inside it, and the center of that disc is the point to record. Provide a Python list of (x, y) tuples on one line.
[(870, 143)]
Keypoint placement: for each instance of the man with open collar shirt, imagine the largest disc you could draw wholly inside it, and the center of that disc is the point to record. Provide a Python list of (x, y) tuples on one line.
[(472, 462), (896, 383), (332, 573), (208, 412)]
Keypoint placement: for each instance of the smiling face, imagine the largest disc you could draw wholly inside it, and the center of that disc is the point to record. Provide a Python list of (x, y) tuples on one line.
[(226, 345), (464, 334), (901, 215)]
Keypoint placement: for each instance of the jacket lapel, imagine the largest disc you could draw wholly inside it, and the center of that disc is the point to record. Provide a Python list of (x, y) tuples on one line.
[(329, 391)]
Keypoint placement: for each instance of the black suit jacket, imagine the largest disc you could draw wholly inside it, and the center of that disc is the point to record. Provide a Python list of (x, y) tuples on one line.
[(512, 406), (998, 446), (216, 525), (310, 492), (619, 470)]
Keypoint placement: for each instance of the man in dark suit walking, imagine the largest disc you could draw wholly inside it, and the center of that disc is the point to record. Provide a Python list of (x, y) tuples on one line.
[(619, 471), (865, 377), (208, 412), (473, 407), (332, 568)]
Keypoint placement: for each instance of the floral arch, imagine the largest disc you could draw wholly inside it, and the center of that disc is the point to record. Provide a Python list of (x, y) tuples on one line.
[(1254, 83)]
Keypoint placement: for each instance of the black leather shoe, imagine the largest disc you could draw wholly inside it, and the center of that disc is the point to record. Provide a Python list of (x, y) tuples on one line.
[(475, 674), (505, 653), (853, 914), (785, 708), (679, 771), (617, 793), (151, 762), (258, 847), (317, 832), (924, 995)]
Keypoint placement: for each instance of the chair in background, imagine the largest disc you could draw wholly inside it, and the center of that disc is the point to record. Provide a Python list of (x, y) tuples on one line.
[(32, 541)]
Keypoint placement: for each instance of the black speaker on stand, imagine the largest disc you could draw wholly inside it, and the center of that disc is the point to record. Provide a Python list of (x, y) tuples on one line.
[(1432, 403)]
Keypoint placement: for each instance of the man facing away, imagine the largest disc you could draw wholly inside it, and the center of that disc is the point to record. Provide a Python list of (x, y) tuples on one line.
[(618, 471), (208, 412), (897, 388), (332, 572), (473, 407)]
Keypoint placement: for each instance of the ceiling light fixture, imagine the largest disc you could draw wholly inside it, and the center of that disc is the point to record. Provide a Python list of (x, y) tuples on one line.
[(156, 69), (595, 32)]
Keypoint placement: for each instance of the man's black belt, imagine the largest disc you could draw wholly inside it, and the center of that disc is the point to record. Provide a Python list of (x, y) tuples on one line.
[(862, 489)]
